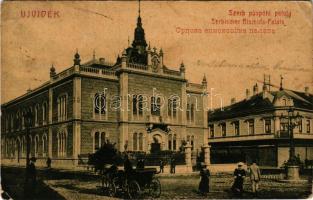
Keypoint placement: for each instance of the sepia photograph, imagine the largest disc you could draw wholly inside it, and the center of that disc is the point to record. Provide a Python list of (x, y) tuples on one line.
[(156, 100)]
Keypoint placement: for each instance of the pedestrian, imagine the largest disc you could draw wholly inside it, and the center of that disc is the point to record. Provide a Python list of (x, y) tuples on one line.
[(204, 185), (173, 166), (161, 166), (255, 177), (31, 179), (239, 175), (48, 162)]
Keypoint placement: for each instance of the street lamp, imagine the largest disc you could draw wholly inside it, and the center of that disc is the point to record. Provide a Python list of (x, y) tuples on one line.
[(28, 123), (292, 120)]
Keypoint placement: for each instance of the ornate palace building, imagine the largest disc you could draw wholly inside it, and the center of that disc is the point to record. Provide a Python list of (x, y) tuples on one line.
[(254, 129), (137, 102)]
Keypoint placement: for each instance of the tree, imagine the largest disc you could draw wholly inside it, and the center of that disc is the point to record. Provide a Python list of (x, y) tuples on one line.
[(107, 154)]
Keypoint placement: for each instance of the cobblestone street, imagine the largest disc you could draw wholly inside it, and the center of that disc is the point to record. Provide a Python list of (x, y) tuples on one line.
[(77, 185)]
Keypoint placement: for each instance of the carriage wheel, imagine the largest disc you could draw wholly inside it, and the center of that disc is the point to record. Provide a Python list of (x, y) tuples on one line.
[(155, 188), (112, 188), (133, 190)]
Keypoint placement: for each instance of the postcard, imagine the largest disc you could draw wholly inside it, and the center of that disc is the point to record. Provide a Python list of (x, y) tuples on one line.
[(156, 99)]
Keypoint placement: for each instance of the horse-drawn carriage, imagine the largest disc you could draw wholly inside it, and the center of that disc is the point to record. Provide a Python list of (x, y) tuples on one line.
[(134, 184)]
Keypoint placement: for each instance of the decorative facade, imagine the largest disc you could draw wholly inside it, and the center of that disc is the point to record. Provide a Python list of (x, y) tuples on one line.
[(253, 129)]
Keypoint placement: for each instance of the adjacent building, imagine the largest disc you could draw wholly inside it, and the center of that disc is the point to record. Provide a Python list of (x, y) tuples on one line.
[(137, 102), (253, 128)]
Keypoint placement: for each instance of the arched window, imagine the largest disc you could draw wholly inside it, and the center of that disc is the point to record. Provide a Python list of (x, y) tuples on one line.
[(23, 119), (44, 145), (36, 114), (135, 105), (140, 104), (140, 142), (192, 142), (169, 141), (62, 141), (174, 142), (44, 112), (23, 146), (135, 145), (103, 138), (97, 139), (36, 145), (100, 104), (172, 106), (62, 107), (155, 105), (192, 112)]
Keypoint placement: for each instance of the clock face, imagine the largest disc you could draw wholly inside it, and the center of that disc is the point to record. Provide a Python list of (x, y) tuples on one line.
[(155, 63)]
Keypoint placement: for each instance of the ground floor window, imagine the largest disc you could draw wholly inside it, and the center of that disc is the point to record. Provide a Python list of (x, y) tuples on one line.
[(36, 145), (137, 142), (99, 140), (172, 142), (62, 141), (44, 145)]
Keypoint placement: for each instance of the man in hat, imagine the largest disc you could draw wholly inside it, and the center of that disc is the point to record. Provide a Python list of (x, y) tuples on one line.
[(255, 176), (239, 175), (205, 180)]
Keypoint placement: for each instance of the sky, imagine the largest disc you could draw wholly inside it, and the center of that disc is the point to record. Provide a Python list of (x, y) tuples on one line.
[(231, 62)]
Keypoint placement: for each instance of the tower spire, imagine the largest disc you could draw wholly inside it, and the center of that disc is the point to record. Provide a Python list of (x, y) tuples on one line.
[(281, 82), (139, 8), (139, 36)]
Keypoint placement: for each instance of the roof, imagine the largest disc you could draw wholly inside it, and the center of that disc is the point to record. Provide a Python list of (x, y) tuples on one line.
[(257, 103)]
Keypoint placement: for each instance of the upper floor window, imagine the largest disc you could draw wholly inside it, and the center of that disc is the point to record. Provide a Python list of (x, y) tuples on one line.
[(223, 129), (308, 126), (237, 129), (267, 125), (100, 104), (137, 104), (62, 108), (156, 106), (12, 123), (211, 130), (251, 127), (17, 120), (23, 119), (44, 112), (172, 107), (190, 112), (36, 114)]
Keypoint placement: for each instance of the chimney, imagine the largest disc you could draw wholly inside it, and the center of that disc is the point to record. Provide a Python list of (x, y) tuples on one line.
[(306, 90), (247, 93), (255, 89), (232, 101)]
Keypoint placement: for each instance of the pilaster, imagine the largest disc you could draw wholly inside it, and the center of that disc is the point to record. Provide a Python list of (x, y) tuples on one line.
[(50, 122), (123, 137)]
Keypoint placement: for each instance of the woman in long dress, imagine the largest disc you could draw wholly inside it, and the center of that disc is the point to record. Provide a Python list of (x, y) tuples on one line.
[(205, 180)]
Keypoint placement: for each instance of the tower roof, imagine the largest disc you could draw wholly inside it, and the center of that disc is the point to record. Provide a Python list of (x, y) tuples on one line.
[(139, 34)]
